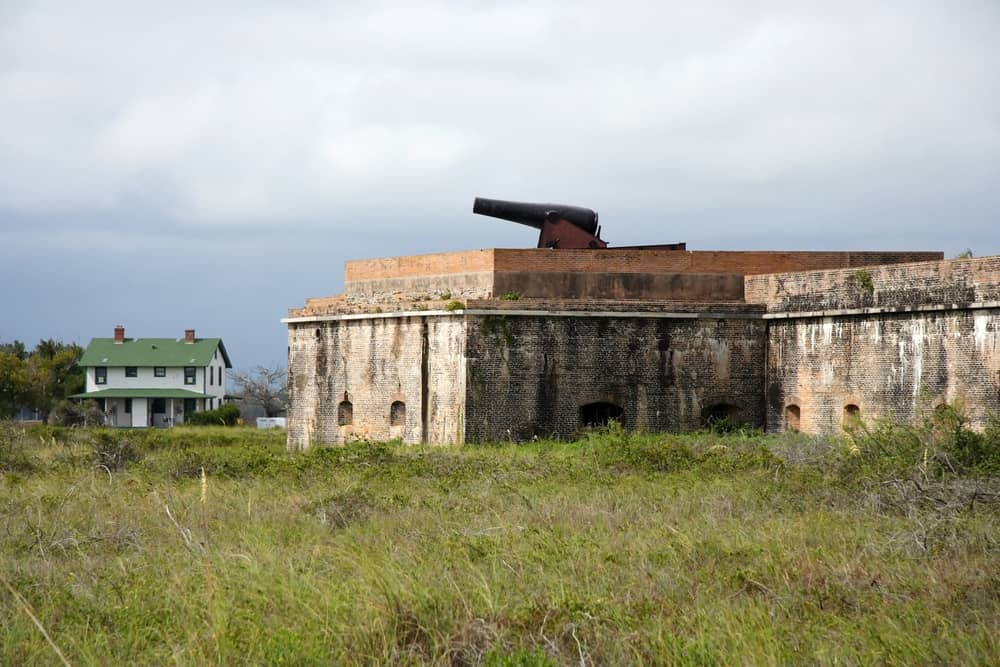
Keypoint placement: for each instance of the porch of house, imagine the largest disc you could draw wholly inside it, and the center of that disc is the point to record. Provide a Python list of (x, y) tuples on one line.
[(143, 408)]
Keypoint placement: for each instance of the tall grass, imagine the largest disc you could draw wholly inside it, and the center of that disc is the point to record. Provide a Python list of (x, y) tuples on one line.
[(880, 546)]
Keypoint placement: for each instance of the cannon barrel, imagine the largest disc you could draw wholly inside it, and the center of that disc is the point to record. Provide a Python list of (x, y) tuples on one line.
[(535, 215)]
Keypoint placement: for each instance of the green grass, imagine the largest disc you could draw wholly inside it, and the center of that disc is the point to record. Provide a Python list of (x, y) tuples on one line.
[(696, 549)]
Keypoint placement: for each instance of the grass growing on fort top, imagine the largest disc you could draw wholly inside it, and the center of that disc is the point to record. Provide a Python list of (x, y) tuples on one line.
[(694, 549)]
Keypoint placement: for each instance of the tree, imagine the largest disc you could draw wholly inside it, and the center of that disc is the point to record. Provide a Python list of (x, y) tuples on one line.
[(16, 348), (38, 380), (264, 387), (13, 383)]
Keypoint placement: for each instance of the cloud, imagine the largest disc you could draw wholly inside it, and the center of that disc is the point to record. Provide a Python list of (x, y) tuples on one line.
[(281, 138), (271, 113)]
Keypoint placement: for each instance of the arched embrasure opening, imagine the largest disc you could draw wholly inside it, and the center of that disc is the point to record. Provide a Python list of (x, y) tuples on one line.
[(852, 415), (397, 413), (599, 414), (345, 413), (721, 416), (793, 417)]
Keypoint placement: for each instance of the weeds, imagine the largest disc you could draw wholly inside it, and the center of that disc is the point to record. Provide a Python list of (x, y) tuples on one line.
[(218, 546)]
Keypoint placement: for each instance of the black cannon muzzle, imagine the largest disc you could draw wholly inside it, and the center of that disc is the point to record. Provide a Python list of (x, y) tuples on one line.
[(535, 215)]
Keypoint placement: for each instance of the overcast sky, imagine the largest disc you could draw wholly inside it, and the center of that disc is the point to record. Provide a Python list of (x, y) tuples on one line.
[(210, 164)]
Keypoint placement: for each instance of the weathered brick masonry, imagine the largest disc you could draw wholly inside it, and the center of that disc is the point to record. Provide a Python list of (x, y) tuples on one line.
[(371, 363), (610, 273), (894, 341), (533, 375), (664, 336)]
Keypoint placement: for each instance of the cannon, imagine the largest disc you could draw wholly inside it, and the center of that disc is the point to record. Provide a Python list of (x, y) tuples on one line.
[(560, 226)]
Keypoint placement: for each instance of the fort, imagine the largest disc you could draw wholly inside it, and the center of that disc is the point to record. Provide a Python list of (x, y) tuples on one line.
[(505, 344)]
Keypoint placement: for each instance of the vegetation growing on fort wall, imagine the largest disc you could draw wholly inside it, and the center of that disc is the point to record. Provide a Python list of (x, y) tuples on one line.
[(213, 545)]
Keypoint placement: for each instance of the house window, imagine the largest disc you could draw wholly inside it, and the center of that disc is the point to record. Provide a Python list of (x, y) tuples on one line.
[(131, 372), (220, 376), (128, 406), (211, 376), (345, 413), (101, 375), (159, 406), (397, 413), (189, 375), (190, 406), (159, 372)]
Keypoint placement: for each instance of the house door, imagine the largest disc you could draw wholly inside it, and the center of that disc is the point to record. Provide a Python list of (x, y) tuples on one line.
[(190, 407), (158, 413)]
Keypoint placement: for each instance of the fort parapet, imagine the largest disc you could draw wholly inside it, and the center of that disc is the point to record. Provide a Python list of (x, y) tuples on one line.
[(514, 344)]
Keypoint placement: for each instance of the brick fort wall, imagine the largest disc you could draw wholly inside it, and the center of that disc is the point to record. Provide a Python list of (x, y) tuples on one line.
[(530, 375), (895, 341), (372, 363)]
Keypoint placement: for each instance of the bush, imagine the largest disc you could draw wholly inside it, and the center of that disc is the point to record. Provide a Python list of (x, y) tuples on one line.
[(113, 449), (13, 450), (71, 413), (226, 415), (619, 449), (230, 462), (941, 446)]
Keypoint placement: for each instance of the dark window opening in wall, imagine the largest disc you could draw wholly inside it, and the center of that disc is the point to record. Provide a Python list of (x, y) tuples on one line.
[(189, 375), (397, 413), (599, 414), (159, 371), (211, 376), (721, 417), (159, 406), (793, 416), (102, 404), (190, 406), (317, 333), (220, 376), (101, 375), (131, 372), (345, 413), (852, 415), (128, 406)]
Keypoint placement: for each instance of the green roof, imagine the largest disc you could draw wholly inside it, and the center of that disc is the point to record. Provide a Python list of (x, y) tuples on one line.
[(153, 352), (142, 393)]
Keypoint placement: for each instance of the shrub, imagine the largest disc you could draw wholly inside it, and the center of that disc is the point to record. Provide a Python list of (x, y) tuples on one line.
[(454, 305), (226, 415), (230, 462), (71, 413), (972, 451), (941, 446), (114, 449), (510, 296), (13, 452), (617, 448)]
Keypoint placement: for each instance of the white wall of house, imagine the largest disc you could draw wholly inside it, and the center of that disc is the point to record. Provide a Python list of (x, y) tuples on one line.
[(174, 379), (209, 380)]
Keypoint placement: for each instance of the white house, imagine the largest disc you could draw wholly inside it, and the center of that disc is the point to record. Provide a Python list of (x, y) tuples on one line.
[(143, 382)]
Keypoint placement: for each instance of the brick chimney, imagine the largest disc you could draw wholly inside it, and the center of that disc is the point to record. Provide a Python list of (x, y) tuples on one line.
[(119, 335), (189, 335)]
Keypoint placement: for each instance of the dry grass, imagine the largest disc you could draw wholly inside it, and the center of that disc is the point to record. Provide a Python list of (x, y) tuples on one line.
[(613, 550)]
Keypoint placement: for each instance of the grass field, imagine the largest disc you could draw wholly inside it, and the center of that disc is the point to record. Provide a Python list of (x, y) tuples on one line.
[(698, 549)]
